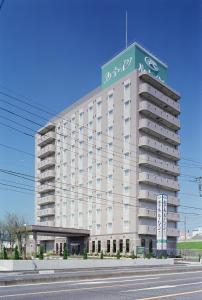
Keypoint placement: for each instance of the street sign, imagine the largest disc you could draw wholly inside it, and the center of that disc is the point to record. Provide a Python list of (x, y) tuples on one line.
[(161, 225)]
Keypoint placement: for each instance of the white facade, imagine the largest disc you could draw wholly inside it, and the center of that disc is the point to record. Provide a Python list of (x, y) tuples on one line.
[(101, 163)]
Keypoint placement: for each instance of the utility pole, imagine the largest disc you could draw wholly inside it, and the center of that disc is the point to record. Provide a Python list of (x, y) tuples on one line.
[(185, 227)]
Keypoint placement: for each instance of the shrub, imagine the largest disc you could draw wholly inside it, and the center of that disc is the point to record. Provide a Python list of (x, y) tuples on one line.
[(41, 253), (16, 253), (65, 253), (133, 256), (118, 255), (5, 255), (101, 255), (85, 254)]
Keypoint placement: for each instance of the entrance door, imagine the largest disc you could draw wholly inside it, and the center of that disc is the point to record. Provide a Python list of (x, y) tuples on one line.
[(75, 248)]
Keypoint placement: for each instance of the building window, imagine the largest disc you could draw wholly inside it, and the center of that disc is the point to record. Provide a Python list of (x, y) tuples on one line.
[(110, 130), (126, 172), (121, 245), (126, 155), (142, 242), (93, 246), (99, 247), (110, 162), (127, 245), (108, 246), (110, 113), (110, 146), (114, 246)]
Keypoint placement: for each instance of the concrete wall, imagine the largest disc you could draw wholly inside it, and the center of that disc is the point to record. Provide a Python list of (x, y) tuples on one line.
[(30, 265)]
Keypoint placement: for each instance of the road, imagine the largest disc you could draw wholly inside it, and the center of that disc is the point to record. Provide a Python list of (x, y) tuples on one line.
[(170, 284)]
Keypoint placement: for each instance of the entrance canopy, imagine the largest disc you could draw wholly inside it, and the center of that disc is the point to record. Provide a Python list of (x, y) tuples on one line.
[(55, 231)]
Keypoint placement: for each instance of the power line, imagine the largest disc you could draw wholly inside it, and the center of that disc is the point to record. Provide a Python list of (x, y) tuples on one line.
[(36, 107), (33, 179)]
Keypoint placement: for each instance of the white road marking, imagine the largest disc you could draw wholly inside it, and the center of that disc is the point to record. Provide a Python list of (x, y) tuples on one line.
[(86, 288), (160, 287), (100, 279), (83, 280)]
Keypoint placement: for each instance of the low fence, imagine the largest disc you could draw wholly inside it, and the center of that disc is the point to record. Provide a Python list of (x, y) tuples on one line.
[(190, 254)]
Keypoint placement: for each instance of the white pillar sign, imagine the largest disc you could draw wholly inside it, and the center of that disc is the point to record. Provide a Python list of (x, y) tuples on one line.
[(161, 226)]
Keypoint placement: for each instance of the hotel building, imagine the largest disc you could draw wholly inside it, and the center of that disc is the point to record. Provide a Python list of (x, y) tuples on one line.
[(101, 163)]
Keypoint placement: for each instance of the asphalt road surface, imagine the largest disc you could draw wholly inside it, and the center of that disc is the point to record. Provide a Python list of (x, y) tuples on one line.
[(167, 285)]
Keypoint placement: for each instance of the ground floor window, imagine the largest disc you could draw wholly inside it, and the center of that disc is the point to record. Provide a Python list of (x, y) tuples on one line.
[(93, 246), (56, 248), (108, 246), (127, 245), (114, 246), (142, 242), (99, 247), (121, 245)]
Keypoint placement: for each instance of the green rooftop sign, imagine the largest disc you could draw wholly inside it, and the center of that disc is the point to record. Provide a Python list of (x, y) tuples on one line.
[(135, 57)]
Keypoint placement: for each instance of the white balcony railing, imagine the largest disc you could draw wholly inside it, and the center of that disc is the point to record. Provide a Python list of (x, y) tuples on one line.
[(46, 200), (46, 212), (49, 174), (149, 213), (159, 114), (159, 131), (151, 196), (158, 164), (46, 138), (47, 150), (47, 187), (154, 179), (46, 163), (47, 223), (160, 148), (152, 94), (151, 230)]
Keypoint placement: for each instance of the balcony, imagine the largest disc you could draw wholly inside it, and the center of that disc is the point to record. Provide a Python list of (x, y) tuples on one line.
[(47, 138), (151, 196), (46, 151), (155, 96), (47, 187), (149, 213), (158, 131), (46, 212), (159, 148), (159, 85), (47, 223), (158, 164), (151, 230), (153, 179), (47, 128), (49, 174), (156, 113), (46, 200), (46, 163)]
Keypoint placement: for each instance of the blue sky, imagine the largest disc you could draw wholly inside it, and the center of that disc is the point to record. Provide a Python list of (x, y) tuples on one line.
[(52, 51)]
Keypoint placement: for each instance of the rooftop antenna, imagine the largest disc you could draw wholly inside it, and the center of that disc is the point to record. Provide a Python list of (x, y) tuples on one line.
[(126, 29)]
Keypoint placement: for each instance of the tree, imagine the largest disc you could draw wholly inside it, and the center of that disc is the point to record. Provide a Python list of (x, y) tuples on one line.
[(101, 255), (13, 223), (65, 253), (16, 253), (2, 233), (41, 252), (118, 255), (85, 254), (5, 255)]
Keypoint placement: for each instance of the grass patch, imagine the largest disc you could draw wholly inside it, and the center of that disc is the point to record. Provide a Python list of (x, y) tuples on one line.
[(190, 245)]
